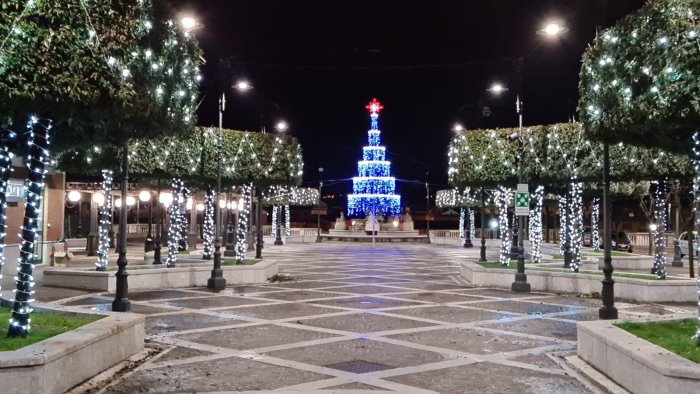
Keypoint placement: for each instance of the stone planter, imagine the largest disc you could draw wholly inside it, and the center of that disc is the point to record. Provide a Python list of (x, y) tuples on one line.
[(57, 364), (630, 263), (565, 282), (634, 363), (159, 277)]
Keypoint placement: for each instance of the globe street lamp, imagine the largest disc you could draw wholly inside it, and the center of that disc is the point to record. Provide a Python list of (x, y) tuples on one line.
[(146, 197)]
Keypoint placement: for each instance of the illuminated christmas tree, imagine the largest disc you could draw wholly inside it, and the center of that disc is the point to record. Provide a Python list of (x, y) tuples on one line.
[(373, 190)]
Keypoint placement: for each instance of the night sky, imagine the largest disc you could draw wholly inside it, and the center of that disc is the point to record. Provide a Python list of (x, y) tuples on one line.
[(317, 63)]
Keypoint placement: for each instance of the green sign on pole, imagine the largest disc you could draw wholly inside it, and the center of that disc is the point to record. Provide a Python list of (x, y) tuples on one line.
[(522, 200)]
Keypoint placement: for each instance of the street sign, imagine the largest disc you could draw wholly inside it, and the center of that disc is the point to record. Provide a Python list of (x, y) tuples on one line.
[(522, 200), (319, 211)]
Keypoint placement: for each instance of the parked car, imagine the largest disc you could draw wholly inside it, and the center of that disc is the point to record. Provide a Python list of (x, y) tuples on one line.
[(588, 236), (621, 242), (683, 241)]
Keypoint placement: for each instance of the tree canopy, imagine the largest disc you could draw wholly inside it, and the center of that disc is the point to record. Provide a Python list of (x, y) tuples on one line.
[(263, 159), (640, 79), (552, 154), (103, 71)]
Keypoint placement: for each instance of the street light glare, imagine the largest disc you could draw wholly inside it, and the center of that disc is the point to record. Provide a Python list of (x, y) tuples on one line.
[(497, 88), (281, 126), (552, 29), (458, 127), (188, 22), (243, 85), (144, 195)]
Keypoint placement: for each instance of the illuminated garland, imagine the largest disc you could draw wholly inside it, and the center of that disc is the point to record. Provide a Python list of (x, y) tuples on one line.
[(7, 141), (595, 224), (290, 195), (373, 189), (242, 229), (563, 224), (275, 212), (182, 218), (461, 223), (659, 232), (454, 198), (175, 225), (472, 225), (503, 197), (105, 221), (208, 220), (38, 140), (535, 222), (287, 222), (575, 223)]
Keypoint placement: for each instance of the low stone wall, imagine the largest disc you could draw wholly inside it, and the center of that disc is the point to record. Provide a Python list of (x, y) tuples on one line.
[(448, 241), (630, 263), (632, 362), (565, 282), (57, 364), (154, 277)]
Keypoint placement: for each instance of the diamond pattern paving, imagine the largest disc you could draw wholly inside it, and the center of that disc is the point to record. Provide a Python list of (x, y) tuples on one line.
[(358, 318)]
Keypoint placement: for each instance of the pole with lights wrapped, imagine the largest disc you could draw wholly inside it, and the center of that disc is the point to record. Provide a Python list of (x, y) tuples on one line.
[(575, 224), (7, 141), (105, 221), (287, 221), (461, 222), (38, 140), (242, 227), (175, 225), (374, 187)]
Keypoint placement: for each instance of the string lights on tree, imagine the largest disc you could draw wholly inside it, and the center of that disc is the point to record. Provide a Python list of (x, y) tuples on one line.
[(242, 228), (575, 223), (563, 223), (659, 229), (288, 221), (175, 225), (595, 224), (38, 141), (503, 199), (208, 221), (461, 222), (535, 223), (105, 220), (374, 187)]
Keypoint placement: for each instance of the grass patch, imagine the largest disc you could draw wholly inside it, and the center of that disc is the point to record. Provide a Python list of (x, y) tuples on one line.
[(674, 336), (44, 325), (183, 252), (613, 253), (244, 262), (513, 264), (558, 257)]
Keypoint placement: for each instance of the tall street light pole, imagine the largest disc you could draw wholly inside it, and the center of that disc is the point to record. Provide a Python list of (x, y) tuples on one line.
[(482, 257), (217, 280), (318, 210)]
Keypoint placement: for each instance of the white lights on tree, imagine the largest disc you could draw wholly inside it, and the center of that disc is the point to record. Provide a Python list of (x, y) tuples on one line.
[(208, 220), (7, 141), (472, 225), (503, 198), (287, 221), (575, 223), (563, 223), (38, 140), (105, 220), (659, 230), (182, 217), (242, 228), (595, 224), (175, 225), (461, 222), (535, 224), (275, 217), (696, 205)]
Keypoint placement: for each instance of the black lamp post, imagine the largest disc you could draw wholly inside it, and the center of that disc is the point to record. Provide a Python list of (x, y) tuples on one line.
[(216, 281), (318, 209), (258, 227), (427, 207), (468, 229), (149, 243), (278, 230), (121, 301), (608, 310)]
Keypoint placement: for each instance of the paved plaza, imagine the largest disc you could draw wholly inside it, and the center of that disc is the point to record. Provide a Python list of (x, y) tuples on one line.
[(355, 318)]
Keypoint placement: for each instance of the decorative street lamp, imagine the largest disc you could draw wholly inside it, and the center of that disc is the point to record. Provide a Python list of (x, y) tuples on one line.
[(482, 257), (145, 196)]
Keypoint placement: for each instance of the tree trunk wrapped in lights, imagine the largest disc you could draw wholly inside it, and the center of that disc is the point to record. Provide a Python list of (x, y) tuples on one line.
[(38, 141), (208, 220), (175, 225), (461, 222), (275, 218), (7, 141), (535, 229), (575, 222), (287, 221), (563, 223), (595, 224), (696, 216), (182, 218), (503, 197), (472, 225), (660, 230), (105, 221), (242, 228)]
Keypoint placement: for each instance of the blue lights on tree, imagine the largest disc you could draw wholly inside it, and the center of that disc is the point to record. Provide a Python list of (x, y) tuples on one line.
[(373, 189)]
